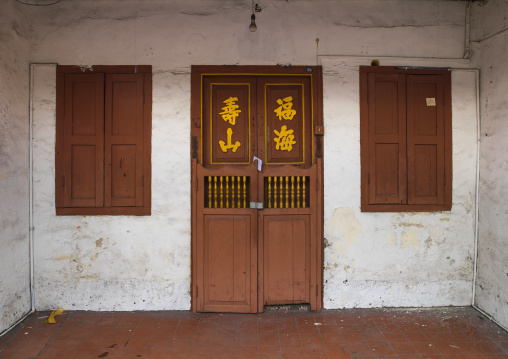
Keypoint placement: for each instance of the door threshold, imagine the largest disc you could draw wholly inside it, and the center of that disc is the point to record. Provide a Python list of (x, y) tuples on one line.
[(287, 308)]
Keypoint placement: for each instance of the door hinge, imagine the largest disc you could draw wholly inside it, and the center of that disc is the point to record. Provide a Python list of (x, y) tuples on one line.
[(319, 147), (368, 178), (194, 147), (143, 180), (316, 291), (63, 181), (197, 292), (444, 178), (196, 185)]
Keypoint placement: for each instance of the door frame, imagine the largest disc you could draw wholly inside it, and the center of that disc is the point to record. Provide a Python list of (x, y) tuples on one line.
[(196, 152)]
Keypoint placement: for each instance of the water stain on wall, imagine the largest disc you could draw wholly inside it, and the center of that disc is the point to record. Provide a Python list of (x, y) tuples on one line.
[(410, 238), (391, 238), (345, 227)]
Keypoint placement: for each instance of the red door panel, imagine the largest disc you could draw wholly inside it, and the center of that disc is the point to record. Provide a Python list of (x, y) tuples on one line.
[(229, 263), (287, 252)]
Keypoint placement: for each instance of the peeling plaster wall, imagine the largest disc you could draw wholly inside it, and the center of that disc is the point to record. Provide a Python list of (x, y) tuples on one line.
[(14, 255), (395, 259), (124, 263), (116, 263), (489, 32)]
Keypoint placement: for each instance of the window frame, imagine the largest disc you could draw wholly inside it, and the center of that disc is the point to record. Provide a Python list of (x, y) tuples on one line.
[(145, 209), (364, 142)]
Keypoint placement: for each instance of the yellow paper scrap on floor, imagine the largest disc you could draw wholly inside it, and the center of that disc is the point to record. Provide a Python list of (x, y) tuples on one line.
[(51, 319)]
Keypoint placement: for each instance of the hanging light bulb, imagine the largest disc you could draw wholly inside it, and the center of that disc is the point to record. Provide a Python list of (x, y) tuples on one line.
[(252, 26)]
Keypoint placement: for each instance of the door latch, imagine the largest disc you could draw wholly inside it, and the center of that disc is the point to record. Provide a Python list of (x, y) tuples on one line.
[(257, 205)]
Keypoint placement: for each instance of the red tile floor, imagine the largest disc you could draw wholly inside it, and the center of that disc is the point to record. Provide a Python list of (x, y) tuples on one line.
[(353, 333)]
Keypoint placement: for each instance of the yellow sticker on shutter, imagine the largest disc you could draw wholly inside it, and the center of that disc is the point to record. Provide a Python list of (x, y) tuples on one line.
[(431, 101)]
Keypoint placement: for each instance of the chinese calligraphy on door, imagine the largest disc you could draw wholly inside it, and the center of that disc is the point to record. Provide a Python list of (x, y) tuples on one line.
[(285, 123)]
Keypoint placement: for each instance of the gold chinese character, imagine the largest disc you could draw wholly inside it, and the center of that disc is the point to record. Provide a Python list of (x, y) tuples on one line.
[(285, 139), (229, 112), (285, 111), (225, 147)]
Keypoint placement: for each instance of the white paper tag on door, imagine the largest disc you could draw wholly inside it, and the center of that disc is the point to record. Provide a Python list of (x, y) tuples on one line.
[(431, 101), (260, 162)]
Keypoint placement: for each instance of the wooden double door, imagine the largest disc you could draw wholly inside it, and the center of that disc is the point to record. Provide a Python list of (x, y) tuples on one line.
[(256, 188)]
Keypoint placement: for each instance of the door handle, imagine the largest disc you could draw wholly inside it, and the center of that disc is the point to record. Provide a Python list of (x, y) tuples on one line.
[(257, 205)]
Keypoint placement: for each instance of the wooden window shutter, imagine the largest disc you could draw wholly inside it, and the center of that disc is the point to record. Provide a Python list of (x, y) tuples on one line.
[(81, 166), (387, 182), (425, 139), (124, 145)]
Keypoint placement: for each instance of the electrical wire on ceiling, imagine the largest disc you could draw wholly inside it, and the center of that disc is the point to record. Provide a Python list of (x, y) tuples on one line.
[(38, 2)]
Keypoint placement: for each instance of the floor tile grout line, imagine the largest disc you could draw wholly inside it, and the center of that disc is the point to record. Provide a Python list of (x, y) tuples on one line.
[(54, 332), (369, 329), (12, 332), (151, 337)]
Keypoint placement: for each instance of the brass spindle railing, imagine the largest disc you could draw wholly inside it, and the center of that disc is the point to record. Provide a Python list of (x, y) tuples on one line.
[(232, 191), (209, 189), (298, 192), (286, 191), (303, 193), (215, 191), (239, 189), (281, 192), (274, 192), (269, 191), (226, 192), (292, 192), (244, 193), (221, 192)]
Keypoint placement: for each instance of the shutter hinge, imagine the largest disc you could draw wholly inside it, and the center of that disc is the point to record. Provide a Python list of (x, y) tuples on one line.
[(63, 181), (368, 178)]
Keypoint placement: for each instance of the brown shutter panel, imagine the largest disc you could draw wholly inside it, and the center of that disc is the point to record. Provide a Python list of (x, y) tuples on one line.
[(387, 139), (124, 140), (425, 139), (83, 140)]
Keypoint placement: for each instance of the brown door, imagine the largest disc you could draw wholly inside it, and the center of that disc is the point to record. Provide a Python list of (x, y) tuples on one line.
[(257, 189)]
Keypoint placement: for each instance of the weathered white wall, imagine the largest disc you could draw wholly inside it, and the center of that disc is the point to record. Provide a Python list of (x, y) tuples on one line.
[(395, 259), (123, 263), (490, 52), (14, 255)]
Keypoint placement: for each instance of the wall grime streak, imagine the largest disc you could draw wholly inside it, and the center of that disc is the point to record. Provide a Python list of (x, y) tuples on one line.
[(14, 178), (490, 58)]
